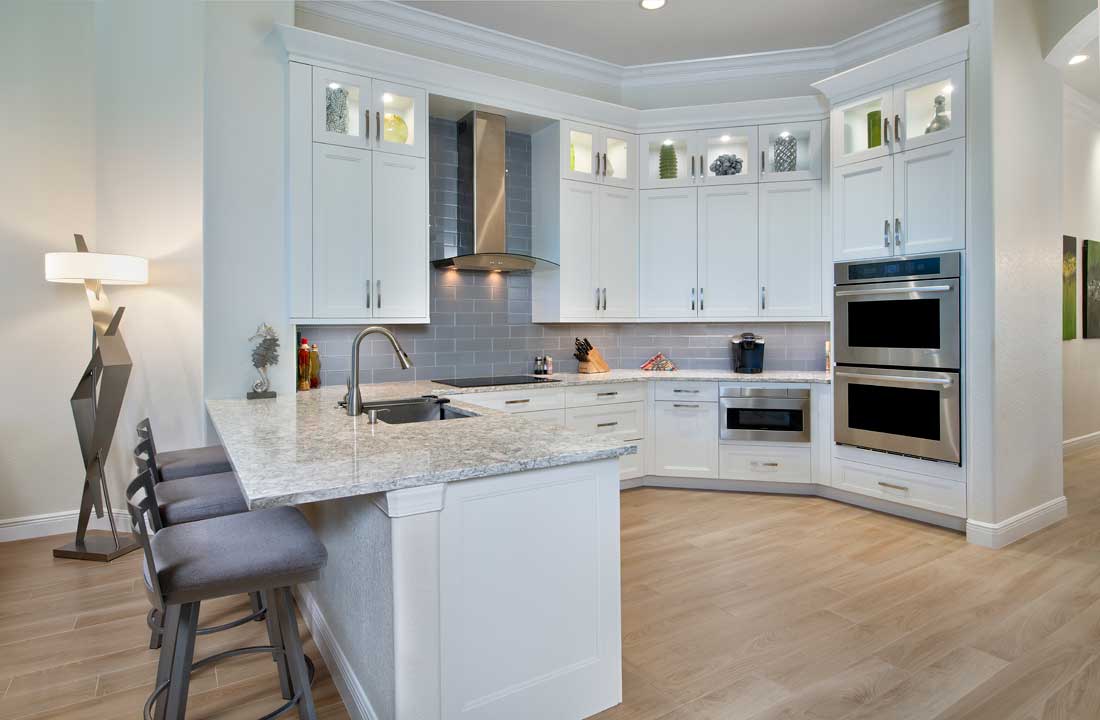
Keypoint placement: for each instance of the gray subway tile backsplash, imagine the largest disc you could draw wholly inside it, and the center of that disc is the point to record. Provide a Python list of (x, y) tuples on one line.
[(481, 322)]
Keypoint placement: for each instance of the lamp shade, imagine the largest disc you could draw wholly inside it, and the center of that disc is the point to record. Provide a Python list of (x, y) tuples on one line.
[(76, 267)]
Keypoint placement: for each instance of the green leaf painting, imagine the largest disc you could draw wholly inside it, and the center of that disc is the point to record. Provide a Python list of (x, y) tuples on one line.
[(1069, 287), (1092, 289)]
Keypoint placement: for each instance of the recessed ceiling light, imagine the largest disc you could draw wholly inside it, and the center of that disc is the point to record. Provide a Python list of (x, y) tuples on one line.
[(725, 138), (652, 4), (387, 98), (1078, 59), (334, 86)]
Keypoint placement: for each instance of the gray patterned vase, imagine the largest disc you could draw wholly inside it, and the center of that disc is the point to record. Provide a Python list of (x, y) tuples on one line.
[(786, 153), (336, 110)]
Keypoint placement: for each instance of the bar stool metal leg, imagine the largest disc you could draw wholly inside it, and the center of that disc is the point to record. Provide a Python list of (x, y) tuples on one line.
[(295, 655), (274, 632), (167, 652), (184, 654)]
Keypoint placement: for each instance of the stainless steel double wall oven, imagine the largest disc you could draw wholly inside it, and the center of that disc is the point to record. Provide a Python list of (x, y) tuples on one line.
[(899, 355)]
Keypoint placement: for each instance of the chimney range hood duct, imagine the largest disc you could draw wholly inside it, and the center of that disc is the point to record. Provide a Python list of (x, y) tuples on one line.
[(481, 199)]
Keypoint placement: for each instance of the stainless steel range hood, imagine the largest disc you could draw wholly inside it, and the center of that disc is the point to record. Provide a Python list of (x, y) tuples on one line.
[(481, 198)]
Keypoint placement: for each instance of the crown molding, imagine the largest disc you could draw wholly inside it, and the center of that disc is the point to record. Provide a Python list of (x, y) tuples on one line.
[(1080, 106), (444, 33)]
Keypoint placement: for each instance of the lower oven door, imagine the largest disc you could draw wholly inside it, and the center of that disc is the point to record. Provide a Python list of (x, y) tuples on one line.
[(766, 419), (909, 412)]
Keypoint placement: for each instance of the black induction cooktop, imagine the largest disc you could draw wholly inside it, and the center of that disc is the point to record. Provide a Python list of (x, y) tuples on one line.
[(501, 380)]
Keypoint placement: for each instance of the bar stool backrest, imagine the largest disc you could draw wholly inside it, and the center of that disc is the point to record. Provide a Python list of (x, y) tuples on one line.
[(145, 452), (146, 521)]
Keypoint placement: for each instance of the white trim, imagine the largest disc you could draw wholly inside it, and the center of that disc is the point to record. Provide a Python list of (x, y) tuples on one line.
[(441, 32), (411, 501), (1080, 35), (1079, 106), (1080, 443), (343, 676), (1006, 532), (58, 523)]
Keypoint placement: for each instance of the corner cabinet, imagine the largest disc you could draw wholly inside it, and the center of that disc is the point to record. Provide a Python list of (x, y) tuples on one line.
[(357, 198)]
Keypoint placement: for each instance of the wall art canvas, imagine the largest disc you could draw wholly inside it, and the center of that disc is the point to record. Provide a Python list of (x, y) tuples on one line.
[(1069, 287), (1091, 281)]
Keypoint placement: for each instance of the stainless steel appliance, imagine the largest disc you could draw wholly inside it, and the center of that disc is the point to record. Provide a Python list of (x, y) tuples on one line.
[(899, 356), (748, 353), (901, 312), (764, 414)]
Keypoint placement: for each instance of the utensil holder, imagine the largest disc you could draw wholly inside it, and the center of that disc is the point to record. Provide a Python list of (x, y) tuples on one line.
[(594, 364)]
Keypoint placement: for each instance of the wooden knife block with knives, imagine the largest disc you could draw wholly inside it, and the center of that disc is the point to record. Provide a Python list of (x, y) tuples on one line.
[(591, 361)]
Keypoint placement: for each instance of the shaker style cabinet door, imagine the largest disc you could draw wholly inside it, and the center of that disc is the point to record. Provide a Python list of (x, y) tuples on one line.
[(862, 129), (686, 439), (619, 161), (930, 198), (668, 253), (341, 108), (930, 109), (728, 251), (579, 289), (617, 253), (400, 237), (863, 210), (400, 122), (342, 280), (790, 249)]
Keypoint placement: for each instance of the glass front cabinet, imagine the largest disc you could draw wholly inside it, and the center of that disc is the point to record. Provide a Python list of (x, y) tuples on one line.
[(790, 151), (362, 112), (598, 155), (722, 156)]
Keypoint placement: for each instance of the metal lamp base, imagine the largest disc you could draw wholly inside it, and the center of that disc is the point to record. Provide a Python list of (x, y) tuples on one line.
[(99, 548)]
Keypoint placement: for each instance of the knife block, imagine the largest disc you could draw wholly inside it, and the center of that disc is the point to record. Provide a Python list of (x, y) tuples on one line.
[(594, 364)]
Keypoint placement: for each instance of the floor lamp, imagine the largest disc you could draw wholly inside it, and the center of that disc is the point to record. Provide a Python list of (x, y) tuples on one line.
[(97, 400)]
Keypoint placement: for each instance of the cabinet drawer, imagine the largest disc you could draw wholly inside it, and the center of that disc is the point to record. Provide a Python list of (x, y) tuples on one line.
[(942, 496), (625, 421), (550, 417), (766, 463), (633, 466), (693, 391), (612, 393), (519, 400)]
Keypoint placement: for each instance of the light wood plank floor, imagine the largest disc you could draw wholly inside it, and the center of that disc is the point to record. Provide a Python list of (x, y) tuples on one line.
[(734, 607)]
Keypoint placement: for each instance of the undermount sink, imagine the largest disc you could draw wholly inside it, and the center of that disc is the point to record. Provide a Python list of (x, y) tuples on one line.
[(411, 410)]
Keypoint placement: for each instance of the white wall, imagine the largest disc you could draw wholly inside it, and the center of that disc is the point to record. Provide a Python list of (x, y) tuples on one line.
[(1081, 219), (47, 192)]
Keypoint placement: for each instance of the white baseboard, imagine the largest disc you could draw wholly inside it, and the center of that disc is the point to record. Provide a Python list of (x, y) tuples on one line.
[(1006, 532), (34, 526), (1080, 443), (351, 692)]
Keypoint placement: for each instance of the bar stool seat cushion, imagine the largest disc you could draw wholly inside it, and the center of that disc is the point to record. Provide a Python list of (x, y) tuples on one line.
[(199, 498), (190, 462), (258, 550)]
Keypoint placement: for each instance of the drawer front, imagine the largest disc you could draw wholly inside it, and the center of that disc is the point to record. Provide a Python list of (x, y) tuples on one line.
[(633, 466), (519, 400), (589, 395), (943, 496), (625, 421), (550, 417), (766, 464), (692, 391)]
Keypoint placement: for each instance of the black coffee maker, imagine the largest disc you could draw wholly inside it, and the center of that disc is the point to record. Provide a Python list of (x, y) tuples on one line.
[(748, 353)]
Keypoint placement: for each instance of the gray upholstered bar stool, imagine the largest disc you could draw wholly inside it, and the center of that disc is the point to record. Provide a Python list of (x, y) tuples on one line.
[(188, 462), (267, 551)]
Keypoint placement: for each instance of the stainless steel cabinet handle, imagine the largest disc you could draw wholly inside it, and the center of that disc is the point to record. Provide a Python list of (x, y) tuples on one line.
[(693, 298), (897, 232), (367, 288), (894, 487), (700, 299), (597, 299), (693, 166), (379, 294), (702, 167), (886, 233), (607, 424), (678, 390), (757, 463), (897, 378), (763, 162), (894, 291), (684, 405), (607, 394), (597, 164), (605, 298), (605, 164), (517, 402), (377, 126), (763, 297), (897, 128), (366, 118), (886, 131)]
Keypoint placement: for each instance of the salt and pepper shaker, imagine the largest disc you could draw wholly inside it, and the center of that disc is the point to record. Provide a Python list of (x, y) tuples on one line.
[(548, 365)]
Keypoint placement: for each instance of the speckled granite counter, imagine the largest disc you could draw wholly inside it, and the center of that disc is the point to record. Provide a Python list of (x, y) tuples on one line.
[(304, 448)]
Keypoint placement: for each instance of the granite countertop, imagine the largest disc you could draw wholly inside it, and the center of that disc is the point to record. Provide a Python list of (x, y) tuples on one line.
[(303, 448)]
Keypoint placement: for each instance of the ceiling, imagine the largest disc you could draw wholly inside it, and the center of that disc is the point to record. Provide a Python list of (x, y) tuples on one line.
[(620, 32), (1085, 77)]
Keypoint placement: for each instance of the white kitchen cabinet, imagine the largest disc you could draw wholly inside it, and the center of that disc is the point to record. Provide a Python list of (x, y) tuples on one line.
[(681, 160), (400, 118), (790, 151), (728, 252), (342, 231), (790, 249), (930, 108), (625, 421), (947, 497), (686, 442), (684, 159), (711, 146), (863, 207), (580, 225), (668, 253), (598, 155), (861, 127), (769, 462), (930, 198), (617, 253), (400, 237), (361, 112)]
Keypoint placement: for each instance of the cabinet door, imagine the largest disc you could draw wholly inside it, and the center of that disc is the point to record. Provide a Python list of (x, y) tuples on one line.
[(790, 151), (790, 249), (863, 206), (930, 198), (341, 232), (400, 119), (862, 129), (580, 148), (727, 156), (400, 236), (668, 159), (617, 253), (668, 253), (931, 108), (619, 161), (580, 206), (686, 439), (727, 251), (341, 108)]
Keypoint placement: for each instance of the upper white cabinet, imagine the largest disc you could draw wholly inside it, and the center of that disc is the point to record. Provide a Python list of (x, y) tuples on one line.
[(790, 151), (668, 249), (728, 251), (930, 198), (361, 112), (863, 208), (617, 253), (400, 236), (342, 232), (790, 249), (599, 155), (861, 128), (721, 156)]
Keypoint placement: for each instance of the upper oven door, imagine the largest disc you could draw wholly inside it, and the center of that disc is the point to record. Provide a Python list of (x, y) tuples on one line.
[(900, 411), (899, 324), (765, 419)]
